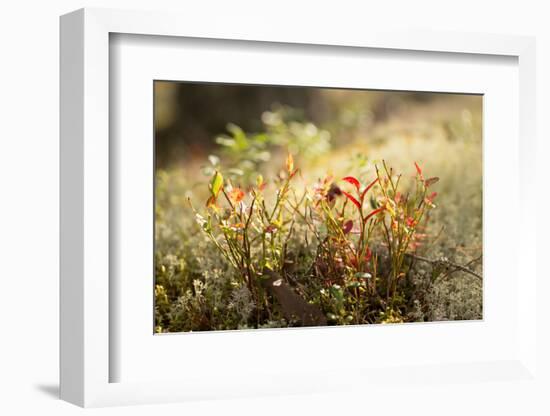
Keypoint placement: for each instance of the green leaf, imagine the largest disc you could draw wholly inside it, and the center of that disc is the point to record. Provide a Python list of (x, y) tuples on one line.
[(373, 203), (239, 135), (216, 184), (263, 156), (214, 160), (234, 129), (363, 275), (236, 172), (224, 141), (336, 291), (260, 138)]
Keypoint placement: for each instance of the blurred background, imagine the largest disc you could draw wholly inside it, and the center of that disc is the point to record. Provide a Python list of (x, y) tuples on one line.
[(190, 116)]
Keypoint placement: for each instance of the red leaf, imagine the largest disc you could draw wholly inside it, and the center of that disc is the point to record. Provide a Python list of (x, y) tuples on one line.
[(353, 181), (236, 195), (368, 255), (270, 229), (432, 196), (418, 169), (293, 173), (368, 188), (352, 199), (348, 225), (211, 201), (376, 211)]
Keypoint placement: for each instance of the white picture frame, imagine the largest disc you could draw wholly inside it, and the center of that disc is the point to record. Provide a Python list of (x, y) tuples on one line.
[(86, 352)]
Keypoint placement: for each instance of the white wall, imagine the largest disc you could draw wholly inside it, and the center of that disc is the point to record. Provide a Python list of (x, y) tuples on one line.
[(29, 189)]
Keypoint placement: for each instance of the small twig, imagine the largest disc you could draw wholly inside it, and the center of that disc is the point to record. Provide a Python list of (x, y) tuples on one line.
[(447, 263), (466, 265)]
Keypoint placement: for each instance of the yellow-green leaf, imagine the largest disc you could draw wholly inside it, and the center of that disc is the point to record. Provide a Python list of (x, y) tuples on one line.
[(216, 184), (289, 163)]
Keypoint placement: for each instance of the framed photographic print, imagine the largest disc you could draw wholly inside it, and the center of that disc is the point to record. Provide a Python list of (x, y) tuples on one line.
[(228, 231)]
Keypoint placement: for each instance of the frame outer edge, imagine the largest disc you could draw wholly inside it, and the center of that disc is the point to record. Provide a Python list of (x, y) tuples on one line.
[(95, 182), (527, 292), (84, 163), (71, 218)]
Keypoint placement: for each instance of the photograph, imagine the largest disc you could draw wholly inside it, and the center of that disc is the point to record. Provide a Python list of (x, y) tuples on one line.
[(298, 206)]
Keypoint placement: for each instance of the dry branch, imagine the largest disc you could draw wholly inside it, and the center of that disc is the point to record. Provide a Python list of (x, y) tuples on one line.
[(446, 263)]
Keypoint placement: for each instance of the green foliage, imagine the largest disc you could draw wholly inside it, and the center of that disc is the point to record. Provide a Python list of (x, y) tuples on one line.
[(246, 153)]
